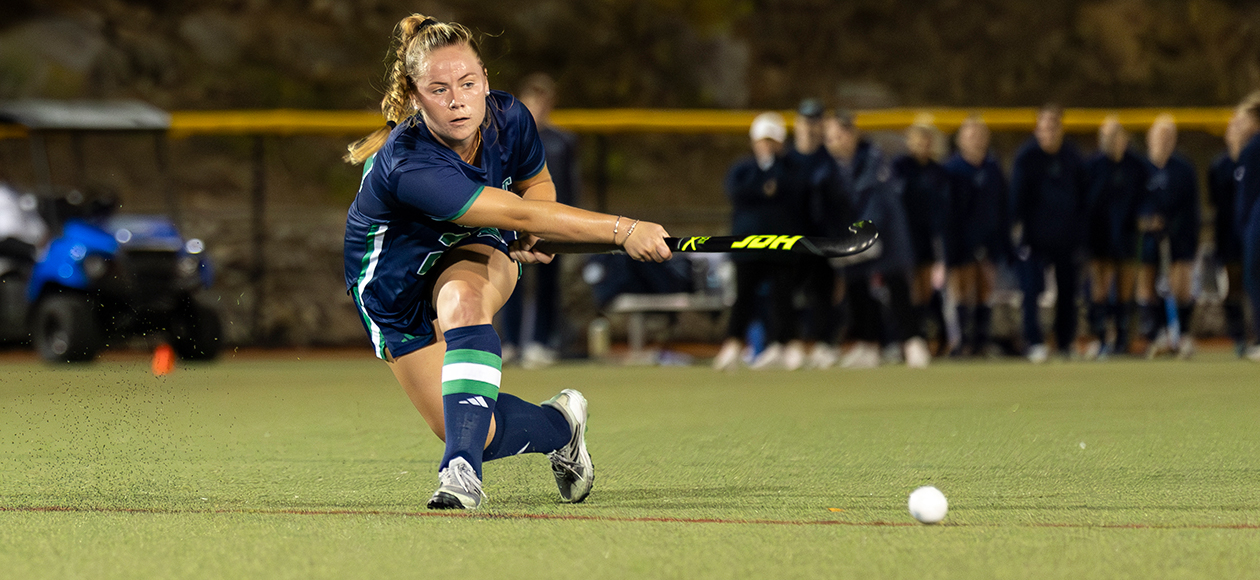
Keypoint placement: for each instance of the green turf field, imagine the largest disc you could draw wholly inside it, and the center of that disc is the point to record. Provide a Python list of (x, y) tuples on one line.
[(320, 469)]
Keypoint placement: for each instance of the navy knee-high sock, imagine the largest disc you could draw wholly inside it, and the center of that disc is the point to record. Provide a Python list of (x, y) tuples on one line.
[(1124, 314), (522, 427), (1155, 318), (1235, 325), (1184, 312), (1098, 320), (966, 331), (984, 321), (471, 373)]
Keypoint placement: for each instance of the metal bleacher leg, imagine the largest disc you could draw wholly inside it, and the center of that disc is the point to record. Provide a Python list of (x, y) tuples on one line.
[(636, 330)]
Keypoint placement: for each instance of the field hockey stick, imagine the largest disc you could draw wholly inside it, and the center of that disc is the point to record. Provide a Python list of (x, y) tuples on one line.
[(862, 235)]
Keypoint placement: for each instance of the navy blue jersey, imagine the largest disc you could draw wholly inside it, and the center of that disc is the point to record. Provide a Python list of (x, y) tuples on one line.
[(1048, 196), (1173, 193), (1247, 178), (925, 195), (977, 211), (1223, 193), (1116, 190), (400, 224)]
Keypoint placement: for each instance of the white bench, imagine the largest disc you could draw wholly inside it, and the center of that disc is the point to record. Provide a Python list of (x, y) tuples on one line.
[(638, 306)]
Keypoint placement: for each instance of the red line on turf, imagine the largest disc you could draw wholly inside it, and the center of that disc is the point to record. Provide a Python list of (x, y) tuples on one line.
[(572, 517)]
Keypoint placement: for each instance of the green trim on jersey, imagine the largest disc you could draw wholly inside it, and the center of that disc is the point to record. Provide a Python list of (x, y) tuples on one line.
[(464, 210)]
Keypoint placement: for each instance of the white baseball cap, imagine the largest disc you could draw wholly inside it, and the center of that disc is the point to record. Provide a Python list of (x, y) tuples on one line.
[(768, 126)]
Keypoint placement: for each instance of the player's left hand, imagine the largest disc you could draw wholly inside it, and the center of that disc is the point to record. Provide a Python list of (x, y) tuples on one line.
[(522, 251)]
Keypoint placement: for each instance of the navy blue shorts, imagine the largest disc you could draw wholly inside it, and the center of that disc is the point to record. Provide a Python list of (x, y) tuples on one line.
[(395, 334)]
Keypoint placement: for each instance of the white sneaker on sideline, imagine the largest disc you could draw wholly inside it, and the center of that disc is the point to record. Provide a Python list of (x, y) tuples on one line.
[(459, 487), (571, 464), (728, 358), (1253, 353), (536, 356), (1161, 345), (917, 354), (861, 356), (794, 355), (823, 356), (1185, 350), (1038, 353), (892, 354), (1093, 350), (769, 359), (510, 354)]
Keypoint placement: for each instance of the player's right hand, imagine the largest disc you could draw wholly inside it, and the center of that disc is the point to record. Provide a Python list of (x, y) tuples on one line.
[(647, 243)]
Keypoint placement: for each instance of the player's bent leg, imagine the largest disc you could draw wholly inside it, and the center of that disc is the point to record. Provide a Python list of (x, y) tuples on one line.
[(472, 286)]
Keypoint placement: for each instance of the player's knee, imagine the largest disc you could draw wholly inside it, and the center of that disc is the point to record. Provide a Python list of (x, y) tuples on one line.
[(461, 305)]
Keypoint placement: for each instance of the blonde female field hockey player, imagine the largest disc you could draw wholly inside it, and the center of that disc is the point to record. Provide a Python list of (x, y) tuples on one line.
[(455, 193)]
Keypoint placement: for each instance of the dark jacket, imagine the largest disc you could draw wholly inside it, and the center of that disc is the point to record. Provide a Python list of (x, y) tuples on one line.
[(1223, 193), (1173, 192), (925, 195), (1116, 189), (1048, 197), (1247, 177), (977, 211), (874, 193), (763, 201), (805, 181), (561, 150)]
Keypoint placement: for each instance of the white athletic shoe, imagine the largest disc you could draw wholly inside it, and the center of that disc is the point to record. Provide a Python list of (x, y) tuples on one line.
[(917, 354), (770, 359), (794, 355), (571, 464), (1185, 350), (537, 356), (1253, 353), (861, 356), (728, 358), (1093, 350), (1161, 345), (459, 488), (823, 356), (510, 353), (1038, 353)]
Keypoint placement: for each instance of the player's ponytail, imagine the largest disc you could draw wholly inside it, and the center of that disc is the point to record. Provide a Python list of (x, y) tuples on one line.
[(416, 36)]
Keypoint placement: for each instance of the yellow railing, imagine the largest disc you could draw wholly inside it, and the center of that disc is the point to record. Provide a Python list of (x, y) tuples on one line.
[(349, 123)]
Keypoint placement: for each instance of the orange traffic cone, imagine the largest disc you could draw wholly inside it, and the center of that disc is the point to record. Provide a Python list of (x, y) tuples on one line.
[(163, 360)]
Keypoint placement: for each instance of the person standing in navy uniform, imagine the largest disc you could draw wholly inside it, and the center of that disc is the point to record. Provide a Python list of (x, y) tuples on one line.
[(925, 196), (1047, 212), (542, 307), (1247, 214), (1117, 183), (1172, 189), (865, 180), (455, 193), (978, 235), (1223, 195), (759, 204)]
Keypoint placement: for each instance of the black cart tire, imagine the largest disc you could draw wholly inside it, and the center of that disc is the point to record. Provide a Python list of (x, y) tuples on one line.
[(197, 335), (66, 329)]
